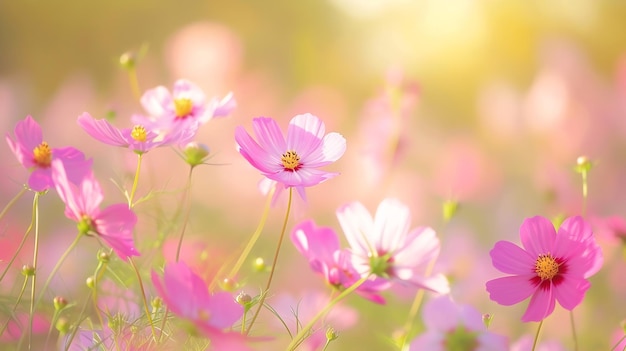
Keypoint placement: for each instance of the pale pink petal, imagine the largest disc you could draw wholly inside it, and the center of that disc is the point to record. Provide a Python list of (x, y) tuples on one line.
[(571, 292), (225, 106), (40, 179), (66, 191), (333, 147), (471, 318), (90, 195), (315, 243), (357, 225), (540, 306), (304, 135), (225, 311), (115, 226), (537, 235), (157, 100), (492, 342), (28, 133), (184, 89), (304, 177), (392, 222), (431, 340), (510, 258), (76, 166), (102, 130), (255, 154), (441, 314), (270, 138), (420, 246), (510, 290), (576, 228), (221, 341), (437, 283)]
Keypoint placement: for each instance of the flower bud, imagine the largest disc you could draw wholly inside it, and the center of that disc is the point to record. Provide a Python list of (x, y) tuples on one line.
[(59, 303), (91, 282), (450, 207), (156, 303), (228, 284), (487, 318), (62, 325), (128, 60), (196, 153), (103, 256), (259, 264), (331, 334), (28, 270), (243, 298), (583, 164)]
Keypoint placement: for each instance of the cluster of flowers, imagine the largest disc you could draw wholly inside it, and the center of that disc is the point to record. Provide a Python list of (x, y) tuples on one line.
[(383, 251)]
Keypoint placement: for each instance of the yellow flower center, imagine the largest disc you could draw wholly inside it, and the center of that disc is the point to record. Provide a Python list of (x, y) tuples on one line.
[(139, 133), (546, 267), (182, 107), (43, 154), (290, 160)]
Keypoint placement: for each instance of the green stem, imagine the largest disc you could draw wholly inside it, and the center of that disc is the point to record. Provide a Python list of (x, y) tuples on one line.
[(12, 202), (187, 205), (57, 267), (143, 296), (274, 262), (135, 181), (19, 299), (537, 335), (571, 319), (34, 280), (30, 227), (302, 333), (253, 239)]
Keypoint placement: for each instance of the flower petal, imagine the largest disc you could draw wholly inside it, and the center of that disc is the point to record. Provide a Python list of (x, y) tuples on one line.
[(102, 130), (158, 102), (358, 227), (512, 259), (571, 292), (537, 235), (270, 137), (115, 226), (508, 291), (392, 221), (258, 157), (540, 306)]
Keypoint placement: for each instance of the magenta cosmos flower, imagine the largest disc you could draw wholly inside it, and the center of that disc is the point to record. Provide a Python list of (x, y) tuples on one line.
[(550, 267), (36, 155), (455, 327), (320, 245), (114, 224), (385, 247), (292, 161), (185, 107), (187, 296), (138, 138)]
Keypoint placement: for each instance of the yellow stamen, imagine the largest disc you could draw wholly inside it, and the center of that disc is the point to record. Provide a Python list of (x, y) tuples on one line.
[(139, 133), (290, 160), (546, 267), (182, 107), (43, 154)]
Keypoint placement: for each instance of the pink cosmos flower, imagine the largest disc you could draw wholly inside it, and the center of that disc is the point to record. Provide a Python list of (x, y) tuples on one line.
[(386, 247), (187, 296), (139, 139), (455, 327), (185, 108), (526, 344), (294, 161), (550, 267), (320, 245), (114, 224), (36, 155), (18, 325)]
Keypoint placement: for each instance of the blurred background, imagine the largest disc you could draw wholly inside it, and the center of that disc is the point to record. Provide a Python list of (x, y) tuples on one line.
[(484, 103)]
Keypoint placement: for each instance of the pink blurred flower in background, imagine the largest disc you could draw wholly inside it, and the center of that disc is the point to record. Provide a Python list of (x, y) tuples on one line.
[(455, 327), (114, 224), (550, 267), (525, 343), (139, 139), (320, 245), (19, 324), (187, 296), (36, 155), (384, 245), (184, 108), (294, 161)]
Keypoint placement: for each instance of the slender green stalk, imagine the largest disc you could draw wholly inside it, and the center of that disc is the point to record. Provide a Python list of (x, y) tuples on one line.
[(274, 262), (186, 200), (537, 335), (574, 335), (12, 202), (135, 181), (34, 280), (246, 251), (143, 296), (302, 333), (57, 267), (19, 299), (30, 227)]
